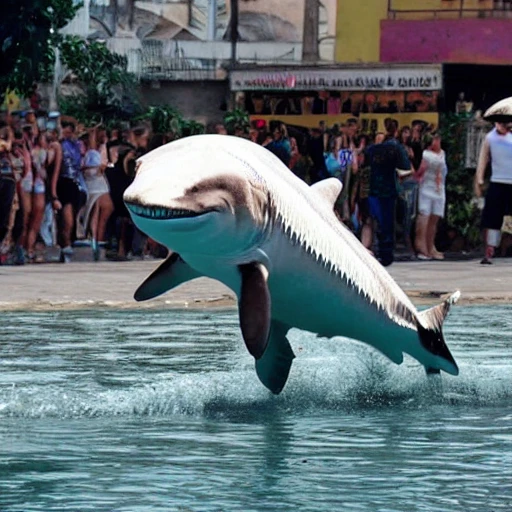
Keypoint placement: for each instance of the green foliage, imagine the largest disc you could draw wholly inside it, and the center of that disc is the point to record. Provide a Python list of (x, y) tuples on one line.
[(191, 127), (462, 213), (28, 36), (166, 119), (236, 118), (102, 76)]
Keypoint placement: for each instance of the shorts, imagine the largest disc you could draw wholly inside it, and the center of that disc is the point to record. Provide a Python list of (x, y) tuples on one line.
[(27, 183), (39, 185), (498, 204), (430, 203), (69, 193)]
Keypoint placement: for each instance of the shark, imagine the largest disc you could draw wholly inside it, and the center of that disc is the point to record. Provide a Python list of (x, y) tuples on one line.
[(230, 210)]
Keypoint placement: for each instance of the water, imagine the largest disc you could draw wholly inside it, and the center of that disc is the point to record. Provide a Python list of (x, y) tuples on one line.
[(162, 411)]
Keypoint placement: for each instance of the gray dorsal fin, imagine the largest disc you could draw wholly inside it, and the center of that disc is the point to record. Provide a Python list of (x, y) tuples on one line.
[(254, 308), (171, 273), (274, 365), (429, 325), (329, 189)]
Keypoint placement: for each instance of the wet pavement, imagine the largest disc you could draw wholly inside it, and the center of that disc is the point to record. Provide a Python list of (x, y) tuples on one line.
[(112, 284)]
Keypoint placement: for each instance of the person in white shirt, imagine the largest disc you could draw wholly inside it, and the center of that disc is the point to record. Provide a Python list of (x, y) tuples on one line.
[(431, 197), (496, 149)]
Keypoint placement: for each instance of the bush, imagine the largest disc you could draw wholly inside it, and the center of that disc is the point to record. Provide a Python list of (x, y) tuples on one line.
[(462, 213)]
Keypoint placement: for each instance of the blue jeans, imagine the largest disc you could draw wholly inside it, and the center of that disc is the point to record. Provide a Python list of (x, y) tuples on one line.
[(382, 209), (409, 197)]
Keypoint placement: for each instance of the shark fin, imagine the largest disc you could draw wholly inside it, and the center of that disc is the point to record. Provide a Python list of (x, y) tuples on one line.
[(254, 308), (429, 325), (169, 274), (273, 367), (329, 189)]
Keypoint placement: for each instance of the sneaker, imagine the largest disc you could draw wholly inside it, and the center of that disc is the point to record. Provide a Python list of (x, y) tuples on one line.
[(486, 261), (66, 254)]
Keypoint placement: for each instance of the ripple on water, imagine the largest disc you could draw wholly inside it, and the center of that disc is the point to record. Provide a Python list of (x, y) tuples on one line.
[(161, 410)]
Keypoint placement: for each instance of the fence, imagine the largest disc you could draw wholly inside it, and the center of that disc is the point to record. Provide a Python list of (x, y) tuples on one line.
[(460, 9)]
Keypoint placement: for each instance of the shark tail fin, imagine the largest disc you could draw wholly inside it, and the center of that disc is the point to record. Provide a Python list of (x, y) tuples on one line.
[(429, 325)]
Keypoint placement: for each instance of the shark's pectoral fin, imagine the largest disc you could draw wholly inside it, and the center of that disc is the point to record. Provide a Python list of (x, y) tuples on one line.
[(254, 308), (273, 367), (329, 189), (171, 273)]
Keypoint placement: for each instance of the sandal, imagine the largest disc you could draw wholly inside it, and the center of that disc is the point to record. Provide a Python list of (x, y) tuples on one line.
[(423, 257)]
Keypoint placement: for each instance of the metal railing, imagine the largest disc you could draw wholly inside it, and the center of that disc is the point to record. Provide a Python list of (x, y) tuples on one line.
[(152, 63), (461, 8)]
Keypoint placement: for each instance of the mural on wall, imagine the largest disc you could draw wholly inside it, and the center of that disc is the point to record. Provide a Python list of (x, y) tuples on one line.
[(259, 20)]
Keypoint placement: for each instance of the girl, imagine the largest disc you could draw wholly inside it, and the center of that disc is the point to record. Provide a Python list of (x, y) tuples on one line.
[(431, 197), (34, 219)]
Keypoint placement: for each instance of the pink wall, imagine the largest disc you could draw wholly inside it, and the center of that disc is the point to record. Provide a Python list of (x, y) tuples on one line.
[(469, 41)]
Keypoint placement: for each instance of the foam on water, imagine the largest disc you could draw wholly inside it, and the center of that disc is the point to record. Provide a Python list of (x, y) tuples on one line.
[(327, 374)]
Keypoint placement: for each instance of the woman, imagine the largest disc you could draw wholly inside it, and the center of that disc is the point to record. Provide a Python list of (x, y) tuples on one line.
[(294, 153), (431, 197), (347, 156), (39, 156), (99, 206), (22, 168), (53, 163), (7, 189), (341, 162), (404, 137), (360, 192), (408, 197)]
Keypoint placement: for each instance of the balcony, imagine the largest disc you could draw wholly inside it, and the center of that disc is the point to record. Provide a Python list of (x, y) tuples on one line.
[(449, 9), (153, 59)]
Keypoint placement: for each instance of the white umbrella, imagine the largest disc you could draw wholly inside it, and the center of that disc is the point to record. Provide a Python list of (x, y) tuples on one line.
[(500, 112)]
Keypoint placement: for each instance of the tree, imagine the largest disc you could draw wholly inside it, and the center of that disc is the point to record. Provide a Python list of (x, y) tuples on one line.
[(310, 51), (29, 32), (102, 77)]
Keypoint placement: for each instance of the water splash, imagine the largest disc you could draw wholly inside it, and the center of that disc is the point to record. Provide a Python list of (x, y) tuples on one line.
[(322, 384), (107, 364)]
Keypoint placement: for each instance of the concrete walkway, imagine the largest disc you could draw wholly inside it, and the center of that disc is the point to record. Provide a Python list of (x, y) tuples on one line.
[(111, 284)]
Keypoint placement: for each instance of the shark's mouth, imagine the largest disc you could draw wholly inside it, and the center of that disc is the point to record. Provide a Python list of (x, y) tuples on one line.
[(161, 212)]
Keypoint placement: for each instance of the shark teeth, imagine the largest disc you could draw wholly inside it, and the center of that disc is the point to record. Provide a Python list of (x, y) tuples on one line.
[(159, 212)]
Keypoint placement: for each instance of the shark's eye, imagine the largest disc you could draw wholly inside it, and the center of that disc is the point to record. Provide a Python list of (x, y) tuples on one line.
[(194, 190)]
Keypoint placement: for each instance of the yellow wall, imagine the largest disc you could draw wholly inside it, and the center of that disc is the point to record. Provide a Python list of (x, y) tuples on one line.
[(358, 30), (312, 121), (358, 22)]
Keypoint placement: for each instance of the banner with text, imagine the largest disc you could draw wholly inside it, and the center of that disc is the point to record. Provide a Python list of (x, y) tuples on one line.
[(428, 78)]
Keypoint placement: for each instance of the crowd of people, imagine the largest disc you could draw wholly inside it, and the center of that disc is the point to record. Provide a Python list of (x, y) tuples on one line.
[(396, 175), (63, 183)]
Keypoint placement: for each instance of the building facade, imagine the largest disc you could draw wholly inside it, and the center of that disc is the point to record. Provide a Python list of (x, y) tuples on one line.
[(181, 50), (471, 39)]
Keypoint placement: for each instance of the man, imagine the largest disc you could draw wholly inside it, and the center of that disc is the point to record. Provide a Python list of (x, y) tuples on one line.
[(496, 149), (68, 188), (384, 160), (280, 145), (315, 150)]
